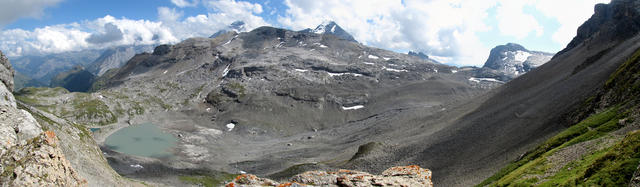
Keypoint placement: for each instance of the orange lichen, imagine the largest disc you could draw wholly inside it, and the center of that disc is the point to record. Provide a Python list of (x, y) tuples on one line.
[(50, 137), (231, 184)]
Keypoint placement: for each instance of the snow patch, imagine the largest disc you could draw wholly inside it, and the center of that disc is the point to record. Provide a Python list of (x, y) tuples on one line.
[(352, 107), (230, 40), (230, 126), (301, 70), (341, 74), (478, 80), (454, 71), (368, 63), (373, 57), (385, 58), (226, 71), (320, 45), (136, 166), (521, 56), (394, 70), (165, 72)]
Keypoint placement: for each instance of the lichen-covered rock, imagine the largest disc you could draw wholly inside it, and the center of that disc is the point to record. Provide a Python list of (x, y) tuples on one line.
[(395, 176), (251, 180), (38, 162)]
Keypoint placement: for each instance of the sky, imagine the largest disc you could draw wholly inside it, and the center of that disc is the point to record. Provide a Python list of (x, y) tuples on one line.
[(456, 32)]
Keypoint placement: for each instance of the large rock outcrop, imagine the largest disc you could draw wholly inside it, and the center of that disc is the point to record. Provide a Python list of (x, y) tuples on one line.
[(395, 176), (28, 157)]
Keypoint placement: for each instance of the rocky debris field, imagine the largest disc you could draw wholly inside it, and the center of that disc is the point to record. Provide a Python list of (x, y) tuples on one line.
[(395, 176)]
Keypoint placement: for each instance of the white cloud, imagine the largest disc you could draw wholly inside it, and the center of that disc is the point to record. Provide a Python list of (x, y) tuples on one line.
[(512, 21), (441, 28), (112, 33), (109, 31), (11, 10), (569, 13), (185, 3)]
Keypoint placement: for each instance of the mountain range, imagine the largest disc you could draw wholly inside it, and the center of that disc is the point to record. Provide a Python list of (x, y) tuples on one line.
[(276, 103)]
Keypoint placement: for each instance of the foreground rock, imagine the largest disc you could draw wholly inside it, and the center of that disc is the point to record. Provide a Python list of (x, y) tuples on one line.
[(28, 157), (38, 162), (395, 176)]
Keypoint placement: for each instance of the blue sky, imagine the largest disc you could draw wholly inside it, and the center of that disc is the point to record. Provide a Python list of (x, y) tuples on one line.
[(459, 32)]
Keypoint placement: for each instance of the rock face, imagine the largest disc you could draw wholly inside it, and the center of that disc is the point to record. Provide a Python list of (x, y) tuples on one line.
[(395, 176), (38, 162), (331, 28), (509, 61), (28, 156), (6, 72)]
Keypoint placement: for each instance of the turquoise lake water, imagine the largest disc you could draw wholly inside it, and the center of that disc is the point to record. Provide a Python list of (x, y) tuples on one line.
[(142, 140)]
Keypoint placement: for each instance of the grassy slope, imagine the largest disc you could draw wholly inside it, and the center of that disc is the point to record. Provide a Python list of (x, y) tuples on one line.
[(612, 166)]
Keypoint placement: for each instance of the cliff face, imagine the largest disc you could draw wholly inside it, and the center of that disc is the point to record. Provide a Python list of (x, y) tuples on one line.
[(28, 155)]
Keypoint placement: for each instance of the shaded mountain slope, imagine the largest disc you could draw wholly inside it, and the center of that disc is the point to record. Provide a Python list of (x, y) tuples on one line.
[(600, 150), (75, 80)]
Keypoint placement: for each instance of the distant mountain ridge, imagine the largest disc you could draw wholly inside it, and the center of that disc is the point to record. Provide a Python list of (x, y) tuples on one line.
[(237, 26), (115, 57)]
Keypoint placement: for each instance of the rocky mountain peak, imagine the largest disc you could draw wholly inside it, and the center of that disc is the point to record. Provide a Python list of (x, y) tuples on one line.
[(513, 60), (331, 27), (420, 55)]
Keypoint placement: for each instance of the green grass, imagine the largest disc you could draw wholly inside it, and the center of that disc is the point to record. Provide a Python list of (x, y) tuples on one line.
[(208, 180), (93, 109), (599, 124), (613, 166)]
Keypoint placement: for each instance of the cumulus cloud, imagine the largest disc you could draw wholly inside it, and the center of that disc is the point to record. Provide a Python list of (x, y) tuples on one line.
[(442, 28), (99, 33), (185, 3), (512, 21), (11, 10), (221, 14), (171, 27), (111, 33)]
